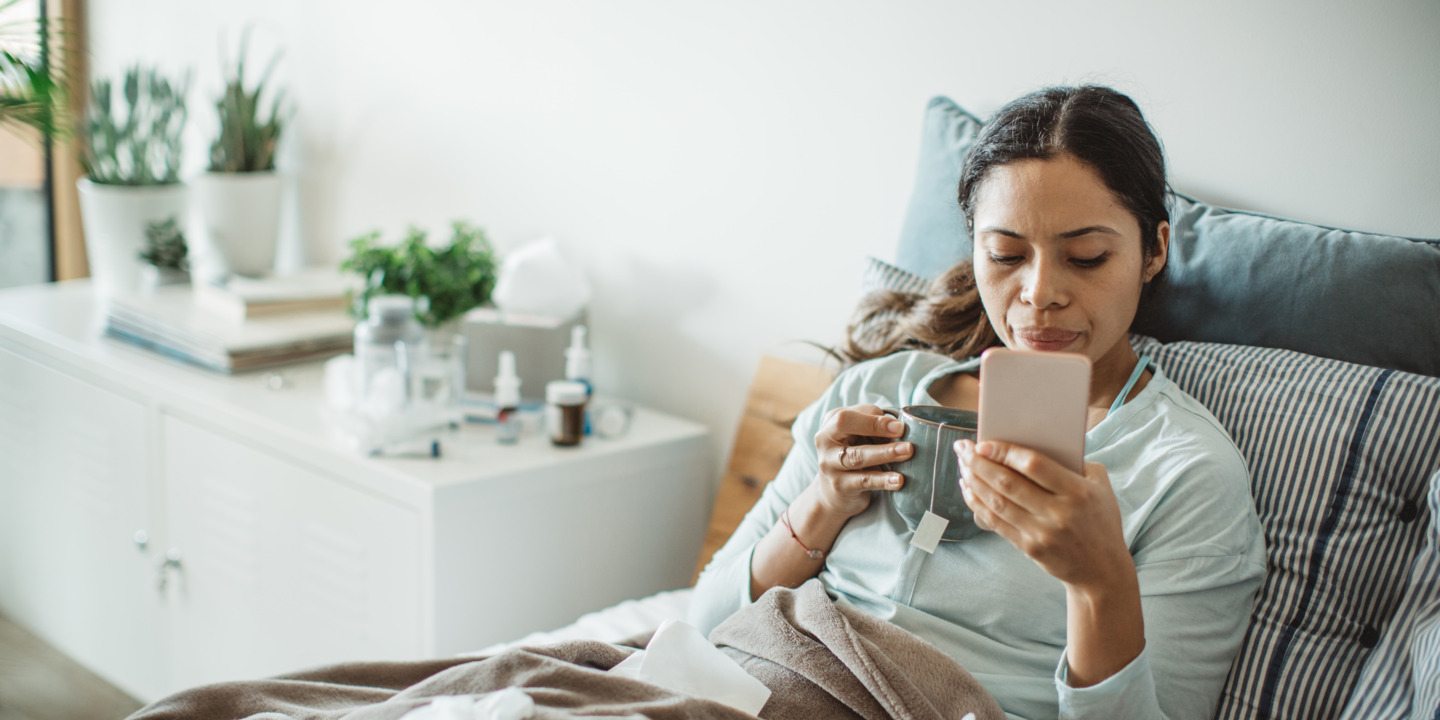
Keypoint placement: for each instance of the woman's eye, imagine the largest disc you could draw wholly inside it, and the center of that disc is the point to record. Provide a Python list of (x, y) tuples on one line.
[(1004, 259), (1090, 262)]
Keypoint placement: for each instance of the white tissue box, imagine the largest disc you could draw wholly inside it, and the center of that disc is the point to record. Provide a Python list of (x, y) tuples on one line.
[(538, 343)]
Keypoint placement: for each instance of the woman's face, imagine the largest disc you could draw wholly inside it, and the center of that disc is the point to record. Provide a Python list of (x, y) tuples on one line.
[(1058, 260)]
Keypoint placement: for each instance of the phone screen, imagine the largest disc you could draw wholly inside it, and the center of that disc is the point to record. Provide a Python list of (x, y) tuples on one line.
[(1036, 399)]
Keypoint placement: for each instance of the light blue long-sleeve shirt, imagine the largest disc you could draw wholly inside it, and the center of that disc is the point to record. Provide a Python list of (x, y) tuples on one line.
[(1188, 519)]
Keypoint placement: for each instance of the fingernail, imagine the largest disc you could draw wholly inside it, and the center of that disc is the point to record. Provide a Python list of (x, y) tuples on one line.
[(893, 483), (986, 449), (894, 426), (965, 447), (903, 449)]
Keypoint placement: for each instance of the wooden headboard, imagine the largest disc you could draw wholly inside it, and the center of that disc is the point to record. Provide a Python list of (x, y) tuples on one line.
[(780, 390)]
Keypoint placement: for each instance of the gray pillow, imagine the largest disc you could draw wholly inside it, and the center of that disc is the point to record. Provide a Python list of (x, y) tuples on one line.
[(1235, 277), (1249, 279), (934, 237)]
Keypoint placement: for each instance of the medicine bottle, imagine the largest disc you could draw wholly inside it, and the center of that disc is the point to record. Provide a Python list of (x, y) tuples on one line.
[(565, 411), (386, 344)]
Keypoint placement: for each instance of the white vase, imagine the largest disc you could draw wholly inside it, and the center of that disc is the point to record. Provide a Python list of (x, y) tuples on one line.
[(114, 218), (241, 216)]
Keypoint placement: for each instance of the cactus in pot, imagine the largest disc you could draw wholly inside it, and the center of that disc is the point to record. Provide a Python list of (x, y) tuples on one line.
[(131, 150), (240, 195)]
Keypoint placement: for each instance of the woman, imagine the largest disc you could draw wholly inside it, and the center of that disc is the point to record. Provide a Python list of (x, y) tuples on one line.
[(1124, 591)]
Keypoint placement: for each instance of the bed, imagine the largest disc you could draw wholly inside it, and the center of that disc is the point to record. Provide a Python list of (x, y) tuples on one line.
[(1317, 348)]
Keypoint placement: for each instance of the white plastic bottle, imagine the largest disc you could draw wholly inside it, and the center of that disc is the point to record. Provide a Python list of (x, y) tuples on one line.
[(507, 400), (577, 359)]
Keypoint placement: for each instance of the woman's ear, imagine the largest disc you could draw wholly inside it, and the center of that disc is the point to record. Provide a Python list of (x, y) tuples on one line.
[(1156, 263)]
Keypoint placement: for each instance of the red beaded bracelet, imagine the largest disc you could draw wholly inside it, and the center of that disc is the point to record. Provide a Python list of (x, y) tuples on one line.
[(812, 554)]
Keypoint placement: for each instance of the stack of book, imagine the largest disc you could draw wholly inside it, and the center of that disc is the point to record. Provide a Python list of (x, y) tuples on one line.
[(247, 324), (241, 298)]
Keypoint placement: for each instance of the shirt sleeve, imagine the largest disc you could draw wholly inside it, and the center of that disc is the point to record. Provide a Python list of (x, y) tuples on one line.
[(1200, 562), (724, 585)]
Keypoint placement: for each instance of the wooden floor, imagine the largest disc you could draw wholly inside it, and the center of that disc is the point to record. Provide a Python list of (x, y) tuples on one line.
[(39, 683)]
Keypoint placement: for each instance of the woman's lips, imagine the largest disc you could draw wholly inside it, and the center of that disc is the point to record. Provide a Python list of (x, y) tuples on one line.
[(1050, 339)]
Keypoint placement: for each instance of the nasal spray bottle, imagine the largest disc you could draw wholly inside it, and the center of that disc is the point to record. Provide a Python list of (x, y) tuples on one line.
[(577, 366), (507, 400)]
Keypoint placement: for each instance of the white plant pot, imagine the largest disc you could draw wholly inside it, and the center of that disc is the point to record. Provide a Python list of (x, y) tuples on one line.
[(115, 218), (241, 215)]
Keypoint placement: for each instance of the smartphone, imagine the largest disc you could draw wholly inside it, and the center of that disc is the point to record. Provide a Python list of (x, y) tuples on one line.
[(1036, 399)]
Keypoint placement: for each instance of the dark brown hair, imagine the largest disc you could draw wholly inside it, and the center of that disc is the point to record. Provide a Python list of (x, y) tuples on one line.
[(1101, 128)]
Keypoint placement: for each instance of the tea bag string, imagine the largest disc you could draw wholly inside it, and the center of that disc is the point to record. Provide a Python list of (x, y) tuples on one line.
[(935, 468)]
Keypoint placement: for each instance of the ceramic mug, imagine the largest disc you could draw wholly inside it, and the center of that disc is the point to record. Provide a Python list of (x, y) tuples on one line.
[(932, 474)]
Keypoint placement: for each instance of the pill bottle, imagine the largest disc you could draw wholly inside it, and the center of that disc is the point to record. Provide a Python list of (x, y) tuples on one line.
[(577, 366), (565, 411)]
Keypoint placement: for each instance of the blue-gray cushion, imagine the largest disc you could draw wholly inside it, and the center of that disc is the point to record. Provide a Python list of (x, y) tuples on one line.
[(1235, 277), (1248, 279), (934, 237), (1402, 676)]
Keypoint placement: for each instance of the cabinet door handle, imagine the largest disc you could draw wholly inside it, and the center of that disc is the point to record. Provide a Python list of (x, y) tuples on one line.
[(163, 565), (142, 539)]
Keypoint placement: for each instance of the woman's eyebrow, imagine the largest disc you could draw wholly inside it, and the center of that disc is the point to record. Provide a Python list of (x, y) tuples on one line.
[(1001, 231), (1105, 229), (1089, 229)]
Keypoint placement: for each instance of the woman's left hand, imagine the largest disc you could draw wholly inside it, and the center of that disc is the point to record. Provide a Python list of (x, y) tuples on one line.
[(1067, 523)]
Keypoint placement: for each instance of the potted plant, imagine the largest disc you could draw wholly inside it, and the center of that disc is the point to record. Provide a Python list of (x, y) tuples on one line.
[(32, 85), (239, 197), (448, 281), (131, 152), (166, 255)]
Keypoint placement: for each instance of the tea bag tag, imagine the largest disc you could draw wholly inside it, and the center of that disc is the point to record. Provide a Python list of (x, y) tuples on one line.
[(927, 535)]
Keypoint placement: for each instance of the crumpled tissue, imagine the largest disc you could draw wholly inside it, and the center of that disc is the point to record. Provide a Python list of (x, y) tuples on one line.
[(537, 279), (680, 659), (507, 704)]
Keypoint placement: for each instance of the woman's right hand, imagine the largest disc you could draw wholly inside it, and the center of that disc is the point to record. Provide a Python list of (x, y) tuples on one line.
[(847, 448)]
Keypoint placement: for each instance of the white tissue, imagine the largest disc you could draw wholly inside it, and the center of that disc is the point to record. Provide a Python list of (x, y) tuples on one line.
[(507, 704), (680, 659), (537, 279), (342, 378)]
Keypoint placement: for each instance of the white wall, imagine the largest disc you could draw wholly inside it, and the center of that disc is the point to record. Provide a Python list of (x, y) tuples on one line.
[(723, 168)]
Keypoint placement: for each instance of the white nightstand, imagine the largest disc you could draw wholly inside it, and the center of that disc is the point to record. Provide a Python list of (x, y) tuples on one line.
[(168, 526)]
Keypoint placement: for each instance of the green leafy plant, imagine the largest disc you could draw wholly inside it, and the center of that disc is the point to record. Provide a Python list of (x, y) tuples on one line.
[(247, 137), (32, 83), (166, 247), (137, 143), (452, 279)]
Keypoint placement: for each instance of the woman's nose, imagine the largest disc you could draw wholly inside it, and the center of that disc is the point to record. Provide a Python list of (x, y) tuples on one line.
[(1044, 285)]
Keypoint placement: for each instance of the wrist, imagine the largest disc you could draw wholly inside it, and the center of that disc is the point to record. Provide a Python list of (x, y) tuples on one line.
[(814, 520), (1110, 579)]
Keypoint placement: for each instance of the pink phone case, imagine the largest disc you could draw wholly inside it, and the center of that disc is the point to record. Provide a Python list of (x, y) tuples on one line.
[(1036, 399)]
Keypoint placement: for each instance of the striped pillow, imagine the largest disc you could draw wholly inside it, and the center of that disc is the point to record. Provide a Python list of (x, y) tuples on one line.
[(1402, 676), (1339, 455), (879, 276)]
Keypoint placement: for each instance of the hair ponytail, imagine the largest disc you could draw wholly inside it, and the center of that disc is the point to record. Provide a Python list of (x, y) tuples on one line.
[(947, 318)]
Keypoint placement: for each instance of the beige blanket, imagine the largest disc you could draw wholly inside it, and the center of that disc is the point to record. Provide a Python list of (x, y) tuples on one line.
[(819, 661)]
